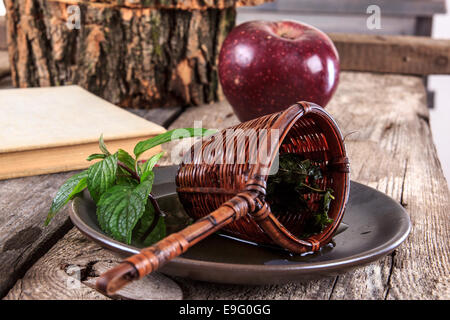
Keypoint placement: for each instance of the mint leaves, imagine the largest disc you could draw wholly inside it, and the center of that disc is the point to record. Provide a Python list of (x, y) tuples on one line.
[(145, 145), (294, 189), (148, 166), (101, 176), (121, 207), (73, 186), (121, 186)]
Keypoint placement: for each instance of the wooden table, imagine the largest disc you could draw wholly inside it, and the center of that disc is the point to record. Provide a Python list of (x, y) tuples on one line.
[(390, 147)]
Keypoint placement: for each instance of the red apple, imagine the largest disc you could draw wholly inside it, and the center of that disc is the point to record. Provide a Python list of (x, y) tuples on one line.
[(265, 67)]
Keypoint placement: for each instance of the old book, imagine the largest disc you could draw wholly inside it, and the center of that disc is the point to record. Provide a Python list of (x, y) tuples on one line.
[(47, 130)]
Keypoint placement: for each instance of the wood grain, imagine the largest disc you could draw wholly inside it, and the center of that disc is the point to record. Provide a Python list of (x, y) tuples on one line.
[(24, 203), (69, 271), (162, 116), (393, 54), (392, 150)]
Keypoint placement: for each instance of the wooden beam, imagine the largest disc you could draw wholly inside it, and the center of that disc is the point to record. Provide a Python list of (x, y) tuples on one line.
[(162, 116), (393, 54)]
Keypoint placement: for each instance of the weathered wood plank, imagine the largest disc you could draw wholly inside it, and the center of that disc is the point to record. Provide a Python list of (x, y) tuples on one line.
[(69, 271), (392, 150), (393, 54), (161, 116), (24, 204)]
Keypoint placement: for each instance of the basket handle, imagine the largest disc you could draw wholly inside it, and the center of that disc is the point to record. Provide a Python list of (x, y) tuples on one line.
[(151, 258)]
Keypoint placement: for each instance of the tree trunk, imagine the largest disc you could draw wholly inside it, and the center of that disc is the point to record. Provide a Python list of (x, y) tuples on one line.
[(132, 55)]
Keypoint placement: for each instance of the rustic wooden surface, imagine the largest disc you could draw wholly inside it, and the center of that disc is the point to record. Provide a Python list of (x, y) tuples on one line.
[(24, 204), (393, 54), (69, 271), (390, 149), (162, 116)]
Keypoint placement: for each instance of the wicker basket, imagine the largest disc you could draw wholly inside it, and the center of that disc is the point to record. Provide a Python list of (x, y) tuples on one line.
[(222, 192)]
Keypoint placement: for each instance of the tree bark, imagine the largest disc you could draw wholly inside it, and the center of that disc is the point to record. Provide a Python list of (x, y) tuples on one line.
[(172, 4), (137, 57)]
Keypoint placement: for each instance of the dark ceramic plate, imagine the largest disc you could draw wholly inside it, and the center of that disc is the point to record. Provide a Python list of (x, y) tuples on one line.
[(376, 225)]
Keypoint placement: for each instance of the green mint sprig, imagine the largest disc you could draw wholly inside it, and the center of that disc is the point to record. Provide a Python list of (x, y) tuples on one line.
[(289, 192), (121, 187)]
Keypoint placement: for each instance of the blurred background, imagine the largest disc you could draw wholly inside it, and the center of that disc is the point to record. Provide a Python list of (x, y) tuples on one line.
[(402, 17)]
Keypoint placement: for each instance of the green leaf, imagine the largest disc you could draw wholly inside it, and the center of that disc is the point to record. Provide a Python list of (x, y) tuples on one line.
[(101, 176), (157, 233), (124, 178), (73, 186), (115, 202), (174, 134), (120, 208), (148, 166), (327, 198), (148, 177), (96, 156), (126, 158), (102, 146), (290, 191), (145, 222)]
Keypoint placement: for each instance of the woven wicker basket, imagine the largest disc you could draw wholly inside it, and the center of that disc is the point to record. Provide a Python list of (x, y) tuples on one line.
[(222, 183)]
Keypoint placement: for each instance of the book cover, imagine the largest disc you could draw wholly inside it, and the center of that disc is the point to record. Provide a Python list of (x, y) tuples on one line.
[(46, 130)]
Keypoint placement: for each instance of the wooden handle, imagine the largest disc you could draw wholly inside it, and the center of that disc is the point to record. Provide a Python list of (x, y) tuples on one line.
[(151, 258)]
